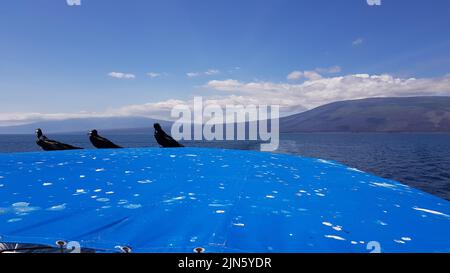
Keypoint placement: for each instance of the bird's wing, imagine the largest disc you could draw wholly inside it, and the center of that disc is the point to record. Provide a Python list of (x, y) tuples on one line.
[(70, 147), (59, 145), (105, 140), (171, 140), (167, 137), (51, 141)]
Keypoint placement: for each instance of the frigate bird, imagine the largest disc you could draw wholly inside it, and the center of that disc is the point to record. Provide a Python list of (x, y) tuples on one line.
[(101, 142), (164, 139), (52, 145)]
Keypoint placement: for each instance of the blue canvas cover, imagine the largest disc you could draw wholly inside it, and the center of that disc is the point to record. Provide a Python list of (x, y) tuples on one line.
[(175, 200)]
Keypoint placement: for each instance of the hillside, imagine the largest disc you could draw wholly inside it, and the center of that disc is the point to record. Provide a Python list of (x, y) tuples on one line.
[(81, 125), (411, 114)]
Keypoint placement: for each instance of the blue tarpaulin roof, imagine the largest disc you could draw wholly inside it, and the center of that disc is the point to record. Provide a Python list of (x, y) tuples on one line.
[(174, 200)]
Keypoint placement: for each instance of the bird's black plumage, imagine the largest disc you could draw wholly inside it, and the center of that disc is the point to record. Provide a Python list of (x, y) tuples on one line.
[(52, 145), (101, 142), (164, 139)]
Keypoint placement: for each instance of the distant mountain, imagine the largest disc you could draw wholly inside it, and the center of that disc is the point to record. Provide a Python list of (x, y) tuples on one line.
[(411, 114), (82, 125)]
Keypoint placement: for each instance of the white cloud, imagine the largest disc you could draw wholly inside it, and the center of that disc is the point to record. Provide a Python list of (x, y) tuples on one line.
[(295, 75), (313, 74), (309, 75), (7, 119), (225, 85), (212, 72), (120, 75), (317, 91), (234, 69), (313, 92), (330, 70), (358, 41), (153, 75), (209, 72), (158, 110), (192, 74)]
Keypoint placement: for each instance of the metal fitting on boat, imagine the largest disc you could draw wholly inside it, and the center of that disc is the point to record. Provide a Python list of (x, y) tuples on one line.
[(124, 249), (199, 250)]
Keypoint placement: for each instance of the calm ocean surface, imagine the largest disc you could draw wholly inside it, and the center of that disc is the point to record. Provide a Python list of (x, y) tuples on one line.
[(418, 160)]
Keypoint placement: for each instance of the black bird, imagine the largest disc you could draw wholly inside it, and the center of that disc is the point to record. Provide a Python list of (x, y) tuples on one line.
[(52, 145), (164, 139), (101, 142)]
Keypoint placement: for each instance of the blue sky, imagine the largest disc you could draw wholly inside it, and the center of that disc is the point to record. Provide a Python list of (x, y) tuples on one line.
[(56, 58)]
